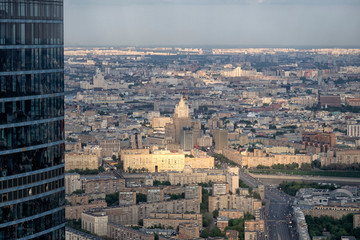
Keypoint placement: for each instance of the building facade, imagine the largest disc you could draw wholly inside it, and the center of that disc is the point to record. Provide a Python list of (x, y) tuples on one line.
[(81, 161), (119, 232), (353, 130), (32, 120)]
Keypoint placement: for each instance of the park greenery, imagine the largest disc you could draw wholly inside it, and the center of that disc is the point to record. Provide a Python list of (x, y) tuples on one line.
[(177, 196), (336, 227), (313, 169), (204, 205), (238, 225), (140, 197), (164, 183), (112, 199), (221, 158), (291, 188)]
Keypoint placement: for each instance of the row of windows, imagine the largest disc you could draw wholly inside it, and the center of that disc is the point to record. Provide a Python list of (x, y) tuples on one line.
[(16, 182), (31, 59), (22, 162), (54, 235), (31, 33), (23, 193), (31, 110), (31, 84), (30, 208), (32, 227), (32, 9), (18, 137)]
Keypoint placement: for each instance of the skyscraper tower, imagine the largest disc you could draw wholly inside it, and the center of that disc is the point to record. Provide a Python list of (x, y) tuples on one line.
[(181, 118), (31, 119)]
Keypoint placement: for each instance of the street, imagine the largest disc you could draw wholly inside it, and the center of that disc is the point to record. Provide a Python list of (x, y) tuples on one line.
[(277, 212)]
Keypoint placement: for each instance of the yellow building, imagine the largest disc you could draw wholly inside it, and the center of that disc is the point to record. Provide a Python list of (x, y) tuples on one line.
[(81, 161), (163, 160), (336, 212), (159, 123), (244, 203), (346, 157), (259, 157), (158, 161)]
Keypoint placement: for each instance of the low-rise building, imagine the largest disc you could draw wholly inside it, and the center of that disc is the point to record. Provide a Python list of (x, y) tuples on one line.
[(72, 182), (222, 223), (73, 234), (102, 184), (81, 161), (232, 234), (244, 203), (172, 220), (75, 211), (336, 212), (95, 222), (130, 215), (231, 213), (119, 232), (189, 231)]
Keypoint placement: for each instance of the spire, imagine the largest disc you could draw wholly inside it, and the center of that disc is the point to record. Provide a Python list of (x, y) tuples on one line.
[(181, 109)]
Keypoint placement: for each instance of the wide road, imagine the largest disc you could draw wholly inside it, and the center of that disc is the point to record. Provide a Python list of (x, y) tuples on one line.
[(277, 213), (276, 179)]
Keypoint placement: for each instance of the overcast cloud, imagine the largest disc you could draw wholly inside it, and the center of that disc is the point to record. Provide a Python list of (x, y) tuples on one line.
[(232, 23)]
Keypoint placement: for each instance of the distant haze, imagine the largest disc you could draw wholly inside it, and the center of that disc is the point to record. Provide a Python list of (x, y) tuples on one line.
[(221, 23)]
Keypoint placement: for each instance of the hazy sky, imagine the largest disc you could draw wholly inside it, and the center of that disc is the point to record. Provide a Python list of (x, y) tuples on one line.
[(241, 23)]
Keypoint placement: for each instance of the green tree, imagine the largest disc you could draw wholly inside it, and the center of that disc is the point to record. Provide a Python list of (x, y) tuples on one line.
[(316, 164), (207, 219), (215, 213), (140, 197), (216, 232), (305, 166), (112, 199), (204, 233)]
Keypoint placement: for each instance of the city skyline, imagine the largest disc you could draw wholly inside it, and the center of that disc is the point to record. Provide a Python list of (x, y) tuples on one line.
[(212, 23)]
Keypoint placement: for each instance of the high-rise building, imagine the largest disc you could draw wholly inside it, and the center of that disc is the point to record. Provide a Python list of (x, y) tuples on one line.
[(220, 139), (186, 139), (31, 120), (181, 118)]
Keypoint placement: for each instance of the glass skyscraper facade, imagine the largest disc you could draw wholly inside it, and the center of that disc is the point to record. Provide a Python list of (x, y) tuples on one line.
[(31, 120)]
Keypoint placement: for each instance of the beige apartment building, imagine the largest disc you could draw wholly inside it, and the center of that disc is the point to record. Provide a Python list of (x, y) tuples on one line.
[(259, 157), (110, 147), (95, 222), (159, 123), (72, 182), (130, 215), (189, 231), (231, 213), (346, 157), (163, 160), (238, 202), (74, 211), (102, 184), (81, 161), (172, 220), (336, 212), (119, 232), (191, 176)]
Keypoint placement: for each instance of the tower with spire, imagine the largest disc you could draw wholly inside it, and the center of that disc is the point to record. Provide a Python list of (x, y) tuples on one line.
[(182, 118)]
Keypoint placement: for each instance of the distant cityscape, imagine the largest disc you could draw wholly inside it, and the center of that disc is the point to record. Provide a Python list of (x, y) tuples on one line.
[(156, 143), (192, 143)]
